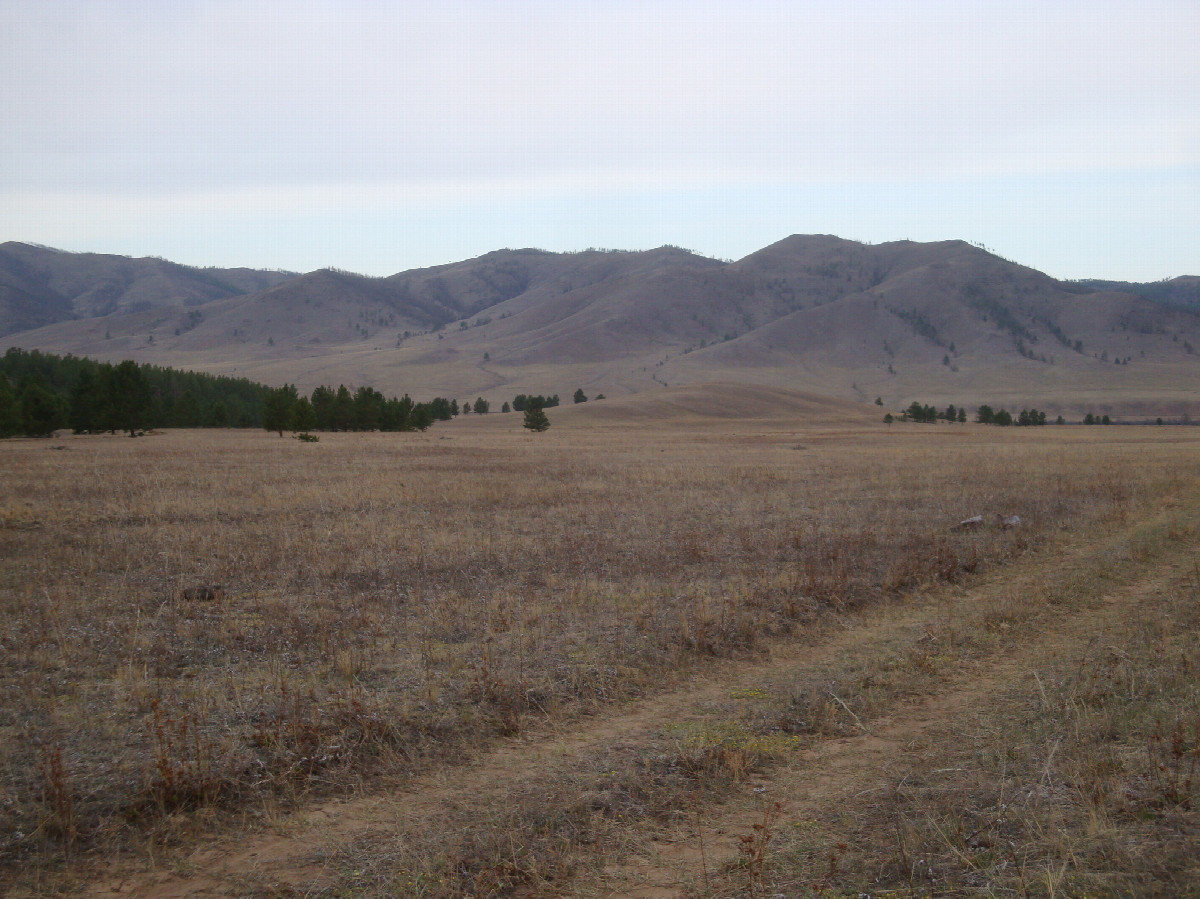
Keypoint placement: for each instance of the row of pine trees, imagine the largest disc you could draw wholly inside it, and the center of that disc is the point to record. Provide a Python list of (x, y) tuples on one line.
[(366, 409), (41, 392)]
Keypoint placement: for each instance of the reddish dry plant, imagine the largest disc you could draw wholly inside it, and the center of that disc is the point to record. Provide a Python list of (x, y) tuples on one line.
[(1174, 761), (57, 796), (753, 847)]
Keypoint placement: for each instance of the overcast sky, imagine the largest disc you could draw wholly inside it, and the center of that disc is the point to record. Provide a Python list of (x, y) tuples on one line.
[(378, 136)]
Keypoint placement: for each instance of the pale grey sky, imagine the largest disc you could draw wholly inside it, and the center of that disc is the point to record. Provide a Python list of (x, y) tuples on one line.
[(379, 136)]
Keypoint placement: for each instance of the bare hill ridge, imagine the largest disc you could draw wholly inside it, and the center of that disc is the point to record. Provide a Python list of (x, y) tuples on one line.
[(40, 286), (940, 322)]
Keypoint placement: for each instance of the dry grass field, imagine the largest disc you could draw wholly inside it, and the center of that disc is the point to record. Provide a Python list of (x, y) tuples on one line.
[(625, 657)]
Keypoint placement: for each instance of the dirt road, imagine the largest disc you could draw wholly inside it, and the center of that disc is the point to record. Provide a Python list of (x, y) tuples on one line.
[(905, 691)]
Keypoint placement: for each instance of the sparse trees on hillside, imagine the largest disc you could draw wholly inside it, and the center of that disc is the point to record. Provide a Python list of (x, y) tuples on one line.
[(580, 396), (521, 402), (918, 412)]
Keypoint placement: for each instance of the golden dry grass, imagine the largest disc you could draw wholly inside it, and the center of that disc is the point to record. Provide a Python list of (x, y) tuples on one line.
[(388, 604)]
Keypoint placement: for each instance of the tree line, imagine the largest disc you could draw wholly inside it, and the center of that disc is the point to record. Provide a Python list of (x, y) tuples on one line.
[(42, 392), (366, 409), (984, 415), (337, 409)]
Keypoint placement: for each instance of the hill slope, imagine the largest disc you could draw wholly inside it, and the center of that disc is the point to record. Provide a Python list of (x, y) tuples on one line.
[(940, 322), (40, 286)]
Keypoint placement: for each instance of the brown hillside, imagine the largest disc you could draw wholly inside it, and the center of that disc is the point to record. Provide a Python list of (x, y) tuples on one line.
[(938, 322), (40, 286)]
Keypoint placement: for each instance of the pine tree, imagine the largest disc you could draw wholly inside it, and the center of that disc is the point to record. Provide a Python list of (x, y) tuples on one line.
[(41, 412), (129, 398), (277, 408), (535, 418), (10, 410), (303, 416), (86, 402)]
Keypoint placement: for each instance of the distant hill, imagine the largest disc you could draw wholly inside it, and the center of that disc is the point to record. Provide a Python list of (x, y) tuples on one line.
[(1184, 291), (936, 322), (41, 286)]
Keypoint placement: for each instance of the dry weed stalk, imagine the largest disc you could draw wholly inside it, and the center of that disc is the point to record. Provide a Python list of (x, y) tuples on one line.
[(753, 847)]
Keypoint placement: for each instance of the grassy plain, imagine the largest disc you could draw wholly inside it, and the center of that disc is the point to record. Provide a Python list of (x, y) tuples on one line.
[(206, 633)]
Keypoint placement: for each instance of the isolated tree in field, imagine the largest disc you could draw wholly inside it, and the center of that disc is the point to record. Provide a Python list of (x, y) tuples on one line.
[(580, 396), (482, 405), (505, 407), (129, 398), (535, 418)]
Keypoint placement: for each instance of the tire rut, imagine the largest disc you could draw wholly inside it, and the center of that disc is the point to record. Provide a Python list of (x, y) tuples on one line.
[(670, 859)]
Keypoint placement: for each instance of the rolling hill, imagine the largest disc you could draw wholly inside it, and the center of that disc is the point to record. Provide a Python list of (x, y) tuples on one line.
[(939, 322)]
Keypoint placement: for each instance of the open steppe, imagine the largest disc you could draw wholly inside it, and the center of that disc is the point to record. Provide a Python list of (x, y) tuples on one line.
[(651, 652)]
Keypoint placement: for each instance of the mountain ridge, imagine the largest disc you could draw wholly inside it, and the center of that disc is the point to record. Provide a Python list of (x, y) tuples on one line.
[(816, 313)]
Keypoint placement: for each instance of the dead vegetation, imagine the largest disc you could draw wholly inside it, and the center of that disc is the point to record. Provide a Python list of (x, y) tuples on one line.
[(389, 604)]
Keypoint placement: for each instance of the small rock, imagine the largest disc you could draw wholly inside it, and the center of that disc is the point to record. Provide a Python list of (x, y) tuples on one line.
[(970, 524)]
